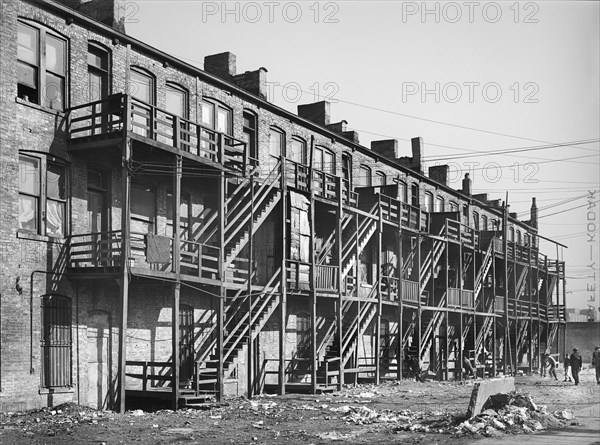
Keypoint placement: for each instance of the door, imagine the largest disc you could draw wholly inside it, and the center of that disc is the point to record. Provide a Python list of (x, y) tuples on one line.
[(99, 348), (98, 227), (186, 343)]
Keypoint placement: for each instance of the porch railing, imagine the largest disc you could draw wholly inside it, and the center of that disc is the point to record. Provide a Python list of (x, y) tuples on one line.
[(149, 121), (410, 291)]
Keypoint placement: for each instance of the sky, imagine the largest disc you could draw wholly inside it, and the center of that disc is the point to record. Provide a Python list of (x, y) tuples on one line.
[(474, 79)]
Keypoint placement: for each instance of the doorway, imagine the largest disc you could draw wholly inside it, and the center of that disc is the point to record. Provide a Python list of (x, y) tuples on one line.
[(186, 343)]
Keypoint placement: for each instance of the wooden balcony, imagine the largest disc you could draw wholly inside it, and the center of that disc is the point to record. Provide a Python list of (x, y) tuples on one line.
[(298, 277), (90, 123), (461, 233), (410, 291), (461, 298), (101, 251)]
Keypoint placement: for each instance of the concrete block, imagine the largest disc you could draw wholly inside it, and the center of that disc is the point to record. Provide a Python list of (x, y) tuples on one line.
[(486, 388)]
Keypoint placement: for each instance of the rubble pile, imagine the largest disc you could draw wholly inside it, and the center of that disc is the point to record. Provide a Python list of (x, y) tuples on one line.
[(53, 421), (512, 414)]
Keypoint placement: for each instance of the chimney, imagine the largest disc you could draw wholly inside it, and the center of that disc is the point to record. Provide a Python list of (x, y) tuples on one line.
[(387, 148), (109, 12), (318, 112), (466, 185), (338, 127), (350, 135), (439, 173), (481, 197), (221, 65), (417, 154), (533, 222), (514, 215), (254, 82)]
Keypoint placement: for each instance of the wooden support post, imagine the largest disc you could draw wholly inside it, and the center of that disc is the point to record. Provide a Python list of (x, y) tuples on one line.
[(283, 285), (420, 303), (506, 321), (400, 353), (222, 291), (125, 248), (515, 351), (176, 252), (494, 326), (460, 283), (314, 359), (563, 322), (446, 284), (251, 353), (341, 283), (379, 300)]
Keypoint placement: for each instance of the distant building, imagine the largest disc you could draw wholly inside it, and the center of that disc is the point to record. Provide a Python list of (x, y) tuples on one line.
[(169, 233)]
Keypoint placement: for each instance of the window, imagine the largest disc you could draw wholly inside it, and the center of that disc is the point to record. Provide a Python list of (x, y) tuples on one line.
[(142, 89), (250, 132), (347, 167), (276, 143), (142, 85), (364, 176), (56, 341), (453, 206), (42, 196), (484, 222), (176, 100), (518, 237), (380, 178), (414, 194), (526, 240), (324, 160), (41, 69), (216, 116), (476, 220), (439, 204), (402, 192), (98, 72), (428, 202), (511, 234), (298, 151)]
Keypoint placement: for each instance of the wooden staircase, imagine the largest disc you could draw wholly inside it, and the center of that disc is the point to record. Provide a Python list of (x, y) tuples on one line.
[(251, 200)]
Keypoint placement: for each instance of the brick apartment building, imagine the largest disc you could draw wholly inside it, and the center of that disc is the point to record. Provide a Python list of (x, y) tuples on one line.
[(168, 233)]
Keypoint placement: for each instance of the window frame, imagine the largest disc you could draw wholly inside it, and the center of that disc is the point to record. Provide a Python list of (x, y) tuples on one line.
[(137, 70), (365, 176), (47, 331), (40, 66), (415, 199), (403, 192), (303, 160), (429, 202), (381, 178), (439, 204), (175, 87), (102, 72), (41, 211), (322, 166), (282, 138), (250, 134), (216, 107)]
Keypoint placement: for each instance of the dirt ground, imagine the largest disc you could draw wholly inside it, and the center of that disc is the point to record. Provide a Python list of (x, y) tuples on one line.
[(404, 412)]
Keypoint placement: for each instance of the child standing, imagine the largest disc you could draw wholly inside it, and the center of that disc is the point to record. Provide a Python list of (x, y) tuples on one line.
[(567, 365)]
